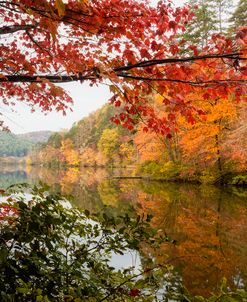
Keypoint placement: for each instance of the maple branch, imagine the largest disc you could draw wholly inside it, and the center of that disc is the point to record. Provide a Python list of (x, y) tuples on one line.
[(37, 44), (72, 78), (46, 13), (42, 78), (195, 83), (233, 56), (14, 28)]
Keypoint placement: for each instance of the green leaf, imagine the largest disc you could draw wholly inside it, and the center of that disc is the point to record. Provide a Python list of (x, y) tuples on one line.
[(39, 298), (199, 298), (22, 290)]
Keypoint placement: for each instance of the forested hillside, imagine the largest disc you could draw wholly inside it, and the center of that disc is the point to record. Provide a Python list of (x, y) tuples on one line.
[(93, 141), (12, 145), (19, 145)]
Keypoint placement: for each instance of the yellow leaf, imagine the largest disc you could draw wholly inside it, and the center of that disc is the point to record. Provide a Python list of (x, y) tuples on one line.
[(60, 7)]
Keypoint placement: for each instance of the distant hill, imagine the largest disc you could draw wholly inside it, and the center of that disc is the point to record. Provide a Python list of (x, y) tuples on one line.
[(19, 145), (12, 145), (36, 136)]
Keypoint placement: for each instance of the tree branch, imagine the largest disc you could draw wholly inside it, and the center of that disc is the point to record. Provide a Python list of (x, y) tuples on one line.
[(119, 72), (37, 44), (72, 78), (233, 56), (193, 83), (42, 78), (14, 28)]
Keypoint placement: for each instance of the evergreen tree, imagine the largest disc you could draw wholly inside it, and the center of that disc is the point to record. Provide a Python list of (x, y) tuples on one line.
[(210, 16), (221, 10), (12, 145), (202, 25), (239, 16)]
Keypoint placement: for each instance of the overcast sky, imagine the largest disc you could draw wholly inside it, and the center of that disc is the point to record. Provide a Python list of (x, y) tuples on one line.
[(86, 100)]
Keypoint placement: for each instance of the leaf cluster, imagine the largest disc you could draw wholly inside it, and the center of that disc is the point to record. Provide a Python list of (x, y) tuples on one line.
[(50, 251)]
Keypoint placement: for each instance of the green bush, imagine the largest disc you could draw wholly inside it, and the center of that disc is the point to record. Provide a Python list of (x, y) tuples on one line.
[(150, 168), (240, 180), (170, 170), (50, 251), (165, 171), (208, 177)]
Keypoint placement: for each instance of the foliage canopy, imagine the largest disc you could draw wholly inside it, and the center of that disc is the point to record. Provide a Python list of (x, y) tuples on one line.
[(129, 45)]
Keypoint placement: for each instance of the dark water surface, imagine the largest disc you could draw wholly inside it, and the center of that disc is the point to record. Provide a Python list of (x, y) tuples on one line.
[(206, 225)]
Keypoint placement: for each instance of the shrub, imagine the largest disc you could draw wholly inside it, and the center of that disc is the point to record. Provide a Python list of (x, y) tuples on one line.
[(240, 180)]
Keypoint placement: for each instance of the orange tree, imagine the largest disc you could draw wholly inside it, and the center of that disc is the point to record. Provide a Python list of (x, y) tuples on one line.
[(129, 45)]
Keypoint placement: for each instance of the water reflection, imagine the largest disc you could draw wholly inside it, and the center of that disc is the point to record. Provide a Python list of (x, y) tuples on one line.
[(205, 226), (208, 227), (12, 174)]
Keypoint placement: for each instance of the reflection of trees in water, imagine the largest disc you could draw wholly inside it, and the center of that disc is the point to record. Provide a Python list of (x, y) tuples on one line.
[(109, 192), (208, 228), (89, 188), (80, 186), (8, 178)]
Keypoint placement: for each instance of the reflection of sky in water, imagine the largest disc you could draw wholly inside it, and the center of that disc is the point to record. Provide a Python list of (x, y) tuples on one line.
[(238, 280), (128, 259), (11, 175)]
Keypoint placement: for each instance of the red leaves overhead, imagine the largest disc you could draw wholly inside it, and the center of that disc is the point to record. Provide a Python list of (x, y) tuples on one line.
[(128, 43)]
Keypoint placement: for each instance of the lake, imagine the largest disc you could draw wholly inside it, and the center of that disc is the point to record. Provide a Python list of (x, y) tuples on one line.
[(205, 226)]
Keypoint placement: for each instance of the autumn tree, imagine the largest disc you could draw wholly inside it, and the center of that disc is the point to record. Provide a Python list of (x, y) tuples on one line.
[(49, 155), (202, 141), (91, 157), (149, 146), (128, 44), (234, 146), (127, 153), (109, 144), (69, 154)]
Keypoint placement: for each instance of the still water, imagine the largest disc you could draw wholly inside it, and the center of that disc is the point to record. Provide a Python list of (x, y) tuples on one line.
[(206, 225)]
